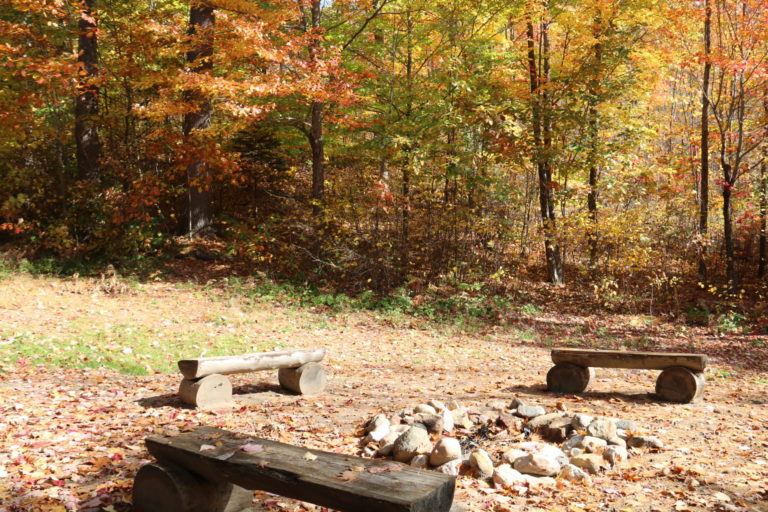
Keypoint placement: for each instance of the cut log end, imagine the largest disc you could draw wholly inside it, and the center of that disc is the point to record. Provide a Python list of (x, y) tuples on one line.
[(681, 385), (160, 487), (569, 378), (308, 379), (211, 392)]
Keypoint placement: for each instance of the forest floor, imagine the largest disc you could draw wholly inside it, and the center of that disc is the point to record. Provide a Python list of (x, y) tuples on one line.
[(71, 430)]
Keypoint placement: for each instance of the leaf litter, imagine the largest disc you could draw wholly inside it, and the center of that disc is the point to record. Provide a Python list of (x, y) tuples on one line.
[(73, 438)]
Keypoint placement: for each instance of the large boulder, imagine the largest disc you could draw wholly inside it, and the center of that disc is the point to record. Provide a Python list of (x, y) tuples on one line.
[(445, 450), (506, 476), (602, 428), (482, 464), (590, 462), (645, 442), (537, 464), (412, 442)]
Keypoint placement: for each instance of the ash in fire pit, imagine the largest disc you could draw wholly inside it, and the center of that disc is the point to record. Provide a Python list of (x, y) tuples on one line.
[(516, 444)]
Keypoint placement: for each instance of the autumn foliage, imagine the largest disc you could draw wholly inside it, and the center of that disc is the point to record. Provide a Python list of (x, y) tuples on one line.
[(369, 143)]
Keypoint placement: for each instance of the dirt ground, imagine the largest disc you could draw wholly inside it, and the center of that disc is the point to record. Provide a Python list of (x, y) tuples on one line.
[(71, 439)]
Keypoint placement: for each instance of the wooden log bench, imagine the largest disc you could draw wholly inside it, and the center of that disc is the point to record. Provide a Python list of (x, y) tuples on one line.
[(213, 470), (681, 379), (205, 385)]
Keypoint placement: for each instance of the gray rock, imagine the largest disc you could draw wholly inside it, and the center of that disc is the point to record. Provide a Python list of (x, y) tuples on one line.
[(420, 461), (437, 405), (625, 425), (617, 441), (414, 441), (461, 418), (537, 464), (453, 405), (544, 420), (581, 421), (591, 462), (602, 428), (575, 451), (558, 430), (573, 473), (432, 422), (530, 411), (592, 444), (445, 450), (496, 405), (512, 454), (399, 428), (517, 402), (651, 442), (452, 467), (539, 481), (376, 423), (448, 423), (387, 444), (615, 455), (506, 476), (408, 411), (424, 409), (481, 462), (547, 449), (509, 422), (574, 441), (381, 431)]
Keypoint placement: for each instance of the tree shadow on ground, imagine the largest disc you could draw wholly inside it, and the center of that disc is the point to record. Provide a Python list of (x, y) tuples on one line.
[(166, 400), (249, 393), (540, 390)]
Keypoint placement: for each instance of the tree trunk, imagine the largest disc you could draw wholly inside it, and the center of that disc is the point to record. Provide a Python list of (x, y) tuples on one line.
[(198, 218), (316, 143), (594, 94), (763, 240), (704, 187), (730, 272), (316, 124), (541, 119), (87, 100), (405, 247)]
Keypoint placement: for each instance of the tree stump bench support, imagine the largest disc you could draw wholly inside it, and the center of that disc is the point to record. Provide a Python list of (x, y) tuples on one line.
[(213, 470), (206, 386), (681, 379)]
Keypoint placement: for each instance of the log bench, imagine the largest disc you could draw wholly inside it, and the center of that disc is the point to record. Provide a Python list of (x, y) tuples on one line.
[(213, 470), (206, 387), (681, 379)]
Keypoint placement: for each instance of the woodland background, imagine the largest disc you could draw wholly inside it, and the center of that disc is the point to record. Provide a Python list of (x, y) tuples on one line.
[(399, 148)]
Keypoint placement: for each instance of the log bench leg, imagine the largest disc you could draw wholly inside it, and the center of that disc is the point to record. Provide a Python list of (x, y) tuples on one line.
[(308, 379), (211, 392), (569, 378), (679, 384), (161, 487)]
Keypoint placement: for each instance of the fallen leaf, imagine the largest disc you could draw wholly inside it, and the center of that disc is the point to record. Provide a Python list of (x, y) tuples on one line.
[(252, 448), (349, 476), (386, 468)]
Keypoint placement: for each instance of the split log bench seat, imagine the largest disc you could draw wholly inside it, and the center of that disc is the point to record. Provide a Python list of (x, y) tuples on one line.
[(206, 386), (213, 470), (681, 379)]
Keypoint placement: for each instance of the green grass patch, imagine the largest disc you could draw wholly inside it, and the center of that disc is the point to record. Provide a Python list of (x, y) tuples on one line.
[(128, 349)]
